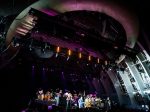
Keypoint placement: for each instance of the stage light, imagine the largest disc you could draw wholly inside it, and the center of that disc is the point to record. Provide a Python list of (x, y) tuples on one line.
[(106, 62), (68, 58), (80, 55), (98, 60), (89, 58), (58, 49), (115, 47), (69, 52), (21, 31), (31, 20), (43, 50), (15, 42), (27, 26), (56, 55)]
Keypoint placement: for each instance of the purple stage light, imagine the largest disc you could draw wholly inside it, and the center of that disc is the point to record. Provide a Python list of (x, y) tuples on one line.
[(50, 107)]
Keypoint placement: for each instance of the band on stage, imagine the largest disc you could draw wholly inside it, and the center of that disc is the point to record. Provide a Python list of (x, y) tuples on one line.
[(73, 100)]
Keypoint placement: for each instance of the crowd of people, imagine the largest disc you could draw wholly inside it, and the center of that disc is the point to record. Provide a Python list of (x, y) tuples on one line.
[(68, 99)]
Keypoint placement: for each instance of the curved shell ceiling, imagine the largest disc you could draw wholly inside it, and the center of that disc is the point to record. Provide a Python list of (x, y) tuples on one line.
[(54, 7)]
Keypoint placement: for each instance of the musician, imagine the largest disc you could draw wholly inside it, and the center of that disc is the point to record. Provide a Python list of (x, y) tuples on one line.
[(80, 102), (47, 96), (98, 102), (93, 100), (40, 94), (107, 104), (88, 102), (75, 99), (57, 98), (69, 100)]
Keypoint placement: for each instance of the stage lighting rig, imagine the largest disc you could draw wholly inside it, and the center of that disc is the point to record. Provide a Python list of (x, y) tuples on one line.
[(90, 39)]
